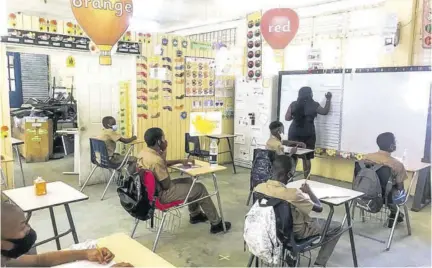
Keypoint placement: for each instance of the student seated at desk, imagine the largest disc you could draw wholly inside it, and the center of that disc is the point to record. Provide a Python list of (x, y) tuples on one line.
[(110, 136), (303, 201), (275, 143), (387, 144), (17, 238), (154, 158)]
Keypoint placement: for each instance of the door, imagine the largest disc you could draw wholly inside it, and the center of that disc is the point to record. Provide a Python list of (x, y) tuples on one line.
[(14, 79), (98, 96)]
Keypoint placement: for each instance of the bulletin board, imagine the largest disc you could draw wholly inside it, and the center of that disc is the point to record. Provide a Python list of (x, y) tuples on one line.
[(200, 77), (163, 102)]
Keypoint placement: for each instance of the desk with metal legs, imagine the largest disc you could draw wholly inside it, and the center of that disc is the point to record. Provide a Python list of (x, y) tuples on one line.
[(340, 196)]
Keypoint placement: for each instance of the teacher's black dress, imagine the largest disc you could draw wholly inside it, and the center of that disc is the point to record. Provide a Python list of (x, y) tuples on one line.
[(304, 132)]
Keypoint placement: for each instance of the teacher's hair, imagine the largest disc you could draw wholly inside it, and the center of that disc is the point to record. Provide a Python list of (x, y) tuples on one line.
[(304, 96)]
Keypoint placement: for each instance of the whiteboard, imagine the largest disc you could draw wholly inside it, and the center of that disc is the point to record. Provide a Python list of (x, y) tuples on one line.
[(328, 128), (386, 100)]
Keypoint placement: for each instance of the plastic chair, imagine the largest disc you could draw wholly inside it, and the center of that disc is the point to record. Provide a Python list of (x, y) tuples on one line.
[(98, 147), (261, 169), (196, 152), (149, 181), (285, 234), (384, 175)]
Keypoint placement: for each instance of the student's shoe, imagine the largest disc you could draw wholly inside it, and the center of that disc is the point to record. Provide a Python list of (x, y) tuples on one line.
[(217, 228), (391, 219), (198, 218)]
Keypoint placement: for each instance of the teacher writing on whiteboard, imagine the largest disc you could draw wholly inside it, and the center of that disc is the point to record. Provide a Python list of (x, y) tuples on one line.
[(303, 113)]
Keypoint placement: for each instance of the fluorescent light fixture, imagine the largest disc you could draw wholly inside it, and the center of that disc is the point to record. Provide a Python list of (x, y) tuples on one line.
[(3, 18)]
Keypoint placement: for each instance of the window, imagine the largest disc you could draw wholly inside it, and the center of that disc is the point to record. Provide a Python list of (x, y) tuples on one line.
[(11, 72)]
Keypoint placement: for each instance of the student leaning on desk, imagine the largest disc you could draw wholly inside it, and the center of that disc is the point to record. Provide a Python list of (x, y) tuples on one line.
[(303, 225), (17, 238), (110, 136)]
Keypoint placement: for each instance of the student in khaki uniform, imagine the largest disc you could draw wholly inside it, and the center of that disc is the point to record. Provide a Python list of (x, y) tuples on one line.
[(17, 238), (154, 158), (275, 143), (110, 136), (387, 145), (303, 201)]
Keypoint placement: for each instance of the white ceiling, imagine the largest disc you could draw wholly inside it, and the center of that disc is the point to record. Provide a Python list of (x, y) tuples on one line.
[(172, 14)]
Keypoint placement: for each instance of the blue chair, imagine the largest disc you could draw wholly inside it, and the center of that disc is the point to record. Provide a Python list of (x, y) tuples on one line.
[(197, 152), (98, 148)]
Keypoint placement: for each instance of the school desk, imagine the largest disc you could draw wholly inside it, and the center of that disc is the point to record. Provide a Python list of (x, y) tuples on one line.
[(15, 144), (300, 153), (4, 159), (421, 172), (75, 132), (58, 194), (333, 196), (226, 137), (128, 250), (203, 168)]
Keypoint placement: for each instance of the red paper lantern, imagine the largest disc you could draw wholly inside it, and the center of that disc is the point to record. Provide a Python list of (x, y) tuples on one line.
[(279, 27)]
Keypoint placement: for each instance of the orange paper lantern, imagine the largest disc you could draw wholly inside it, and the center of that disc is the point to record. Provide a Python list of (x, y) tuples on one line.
[(104, 21)]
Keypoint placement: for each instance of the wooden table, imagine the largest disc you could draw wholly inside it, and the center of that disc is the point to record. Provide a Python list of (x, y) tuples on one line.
[(15, 144), (203, 169), (128, 250), (77, 155), (58, 194), (227, 137), (422, 174), (334, 196)]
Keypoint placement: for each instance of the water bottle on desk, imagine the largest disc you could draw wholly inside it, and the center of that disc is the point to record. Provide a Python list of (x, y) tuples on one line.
[(213, 152)]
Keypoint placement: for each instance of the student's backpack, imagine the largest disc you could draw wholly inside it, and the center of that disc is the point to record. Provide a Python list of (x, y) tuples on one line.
[(261, 166), (134, 197), (368, 182), (260, 232)]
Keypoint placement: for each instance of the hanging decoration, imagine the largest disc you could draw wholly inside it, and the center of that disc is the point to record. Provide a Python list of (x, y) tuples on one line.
[(104, 22), (254, 46), (279, 26)]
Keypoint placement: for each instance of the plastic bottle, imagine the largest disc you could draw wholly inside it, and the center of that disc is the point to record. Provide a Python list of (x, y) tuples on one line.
[(213, 152)]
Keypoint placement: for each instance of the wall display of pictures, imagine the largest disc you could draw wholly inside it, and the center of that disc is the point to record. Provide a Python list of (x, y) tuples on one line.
[(254, 46), (200, 77)]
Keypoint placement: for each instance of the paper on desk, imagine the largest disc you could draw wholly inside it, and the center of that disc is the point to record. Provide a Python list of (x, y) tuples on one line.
[(326, 192), (85, 264)]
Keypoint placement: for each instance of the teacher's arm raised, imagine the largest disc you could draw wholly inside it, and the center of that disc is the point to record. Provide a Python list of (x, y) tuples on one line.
[(288, 115), (326, 109)]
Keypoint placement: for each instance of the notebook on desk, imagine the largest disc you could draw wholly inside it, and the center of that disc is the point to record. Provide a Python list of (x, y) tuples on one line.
[(84, 264)]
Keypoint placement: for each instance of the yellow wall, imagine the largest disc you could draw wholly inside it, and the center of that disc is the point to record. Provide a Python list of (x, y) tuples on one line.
[(342, 169), (5, 143), (174, 127)]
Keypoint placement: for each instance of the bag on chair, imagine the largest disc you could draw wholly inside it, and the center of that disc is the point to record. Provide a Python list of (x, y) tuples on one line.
[(260, 232), (134, 198), (367, 182)]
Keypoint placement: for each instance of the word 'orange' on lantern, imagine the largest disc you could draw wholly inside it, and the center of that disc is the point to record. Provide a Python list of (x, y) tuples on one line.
[(104, 21)]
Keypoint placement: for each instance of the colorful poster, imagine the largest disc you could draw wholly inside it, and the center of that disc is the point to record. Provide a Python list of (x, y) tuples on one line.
[(200, 77), (205, 123)]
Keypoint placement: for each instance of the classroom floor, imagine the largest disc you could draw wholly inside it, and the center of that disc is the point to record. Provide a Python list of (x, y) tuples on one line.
[(193, 245)]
